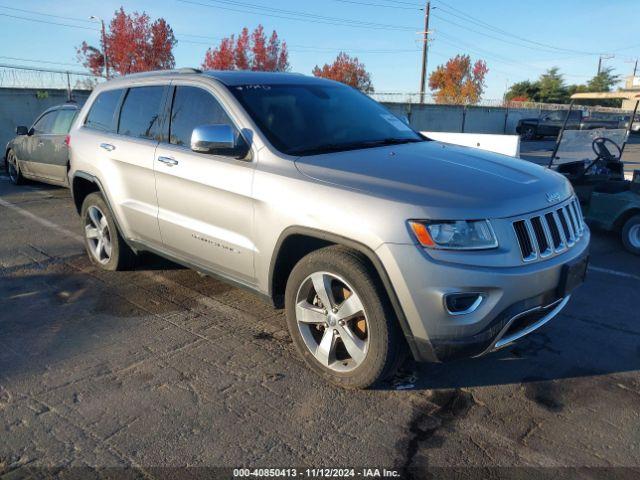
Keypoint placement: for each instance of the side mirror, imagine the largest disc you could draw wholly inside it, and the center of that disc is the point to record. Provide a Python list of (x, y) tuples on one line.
[(215, 139), (22, 130)]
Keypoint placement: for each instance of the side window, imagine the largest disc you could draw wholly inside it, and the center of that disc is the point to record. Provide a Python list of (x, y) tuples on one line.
[(140, 113), (556, 116), (192, 107), (44, 123), (63, 121), (102, 111)]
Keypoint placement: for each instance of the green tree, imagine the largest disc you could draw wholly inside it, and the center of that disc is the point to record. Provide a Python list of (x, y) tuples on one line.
[(525, 91), (604, 81), (552, 87)]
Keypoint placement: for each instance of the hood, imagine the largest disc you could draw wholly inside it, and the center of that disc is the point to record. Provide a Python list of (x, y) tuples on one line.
[(449, 181)]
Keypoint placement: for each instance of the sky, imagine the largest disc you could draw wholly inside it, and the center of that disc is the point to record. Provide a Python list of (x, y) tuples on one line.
[(518, 40)]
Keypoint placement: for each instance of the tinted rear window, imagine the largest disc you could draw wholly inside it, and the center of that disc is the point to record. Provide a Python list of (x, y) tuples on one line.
[(102, 111), (140, 112)]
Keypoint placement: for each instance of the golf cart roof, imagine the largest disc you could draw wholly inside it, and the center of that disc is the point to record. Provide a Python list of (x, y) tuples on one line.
[(606, 96)]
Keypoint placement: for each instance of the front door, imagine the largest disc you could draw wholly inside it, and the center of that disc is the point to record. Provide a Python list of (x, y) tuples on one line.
[(205, 209), (34, 145), (53, 155)]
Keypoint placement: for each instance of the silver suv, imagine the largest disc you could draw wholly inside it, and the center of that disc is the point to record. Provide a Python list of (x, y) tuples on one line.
[(377, 241)]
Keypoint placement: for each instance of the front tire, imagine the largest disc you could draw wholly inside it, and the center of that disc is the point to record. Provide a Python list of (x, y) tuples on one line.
[(528, 133), (13, 169), (104, 244), (340, 319), (631, 235)]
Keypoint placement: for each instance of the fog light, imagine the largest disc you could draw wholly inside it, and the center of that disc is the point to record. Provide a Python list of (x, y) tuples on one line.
[(462, 303)]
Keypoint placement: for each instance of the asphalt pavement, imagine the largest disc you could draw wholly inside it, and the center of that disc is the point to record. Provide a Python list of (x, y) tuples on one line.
[(162, 367)]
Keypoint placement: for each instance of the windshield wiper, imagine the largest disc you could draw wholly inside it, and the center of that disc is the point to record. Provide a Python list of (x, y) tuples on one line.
[(336, 147)]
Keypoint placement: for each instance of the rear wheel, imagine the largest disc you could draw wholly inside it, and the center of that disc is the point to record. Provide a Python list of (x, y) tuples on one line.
[(340, 320), (631, 235), (13, 169), (104, 244)]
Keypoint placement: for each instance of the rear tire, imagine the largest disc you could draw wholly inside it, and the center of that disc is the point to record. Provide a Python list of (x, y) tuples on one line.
[(631, 235), (13, 169), (363, 341), (104, 243)]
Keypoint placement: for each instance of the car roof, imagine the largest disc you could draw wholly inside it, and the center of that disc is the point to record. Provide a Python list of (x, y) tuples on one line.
[(242, 77), (226, 77), (64, 106)]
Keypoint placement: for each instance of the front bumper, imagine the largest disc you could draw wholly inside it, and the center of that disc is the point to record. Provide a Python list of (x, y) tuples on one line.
[(517, 300)]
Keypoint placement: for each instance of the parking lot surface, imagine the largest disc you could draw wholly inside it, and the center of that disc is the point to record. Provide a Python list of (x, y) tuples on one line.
[(163, 367)]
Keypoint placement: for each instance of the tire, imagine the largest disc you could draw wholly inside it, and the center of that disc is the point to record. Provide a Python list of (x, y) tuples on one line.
[(13, 169), (528, 133), (631, 235), (99, 226), (362, 316)]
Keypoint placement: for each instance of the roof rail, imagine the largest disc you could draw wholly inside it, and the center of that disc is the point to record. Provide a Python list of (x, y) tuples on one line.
[(163, 72), (188, 70)]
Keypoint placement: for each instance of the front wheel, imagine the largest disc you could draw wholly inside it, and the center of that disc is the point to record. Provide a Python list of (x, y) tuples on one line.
[(340, 319), (631, 235), (105, 246), (13, 169), (528, 133)]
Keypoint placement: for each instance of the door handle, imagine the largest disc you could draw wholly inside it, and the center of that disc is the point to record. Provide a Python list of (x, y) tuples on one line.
[(108, 147), (170, 162)]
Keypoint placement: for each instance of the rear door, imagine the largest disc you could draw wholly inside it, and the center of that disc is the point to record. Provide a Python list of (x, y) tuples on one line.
[(125, 127), (205, 205)]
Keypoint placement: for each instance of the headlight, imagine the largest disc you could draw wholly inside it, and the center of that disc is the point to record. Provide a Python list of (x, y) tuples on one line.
[(454, 234)]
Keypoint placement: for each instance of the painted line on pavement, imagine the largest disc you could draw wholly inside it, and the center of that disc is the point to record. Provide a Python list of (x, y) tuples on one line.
[(614, 272), (42, 221), (79, 238)]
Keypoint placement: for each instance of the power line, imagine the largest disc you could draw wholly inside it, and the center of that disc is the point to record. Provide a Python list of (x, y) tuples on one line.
[(312, 49), (33, 60), (47, 22), (48, 14), (297, 15), (466, 17), (214, 38), (379, 5)]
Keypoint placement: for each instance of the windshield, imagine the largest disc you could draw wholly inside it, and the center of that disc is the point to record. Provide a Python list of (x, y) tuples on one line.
[(311, 119)]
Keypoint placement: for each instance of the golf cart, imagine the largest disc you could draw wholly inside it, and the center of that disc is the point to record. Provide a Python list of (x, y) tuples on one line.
[(592, 161)]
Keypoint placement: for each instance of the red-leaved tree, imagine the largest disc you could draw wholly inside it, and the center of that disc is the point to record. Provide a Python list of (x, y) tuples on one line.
[(347, 70), (458, 81), (133, 44), (249, 52)]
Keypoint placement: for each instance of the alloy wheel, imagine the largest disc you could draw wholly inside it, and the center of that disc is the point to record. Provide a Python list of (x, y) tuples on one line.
[(634, 236), (96, 231), (529, 133), (332, 321)]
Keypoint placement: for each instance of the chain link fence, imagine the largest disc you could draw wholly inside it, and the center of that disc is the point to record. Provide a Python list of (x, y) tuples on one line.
[(428, 99)]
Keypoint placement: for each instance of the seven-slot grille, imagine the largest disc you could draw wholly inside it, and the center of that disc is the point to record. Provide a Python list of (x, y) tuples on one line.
[(549, 233)]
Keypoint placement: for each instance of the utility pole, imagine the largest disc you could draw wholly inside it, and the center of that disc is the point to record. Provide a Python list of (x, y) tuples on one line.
[(104, 44), (603, 57), (425, 50)]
